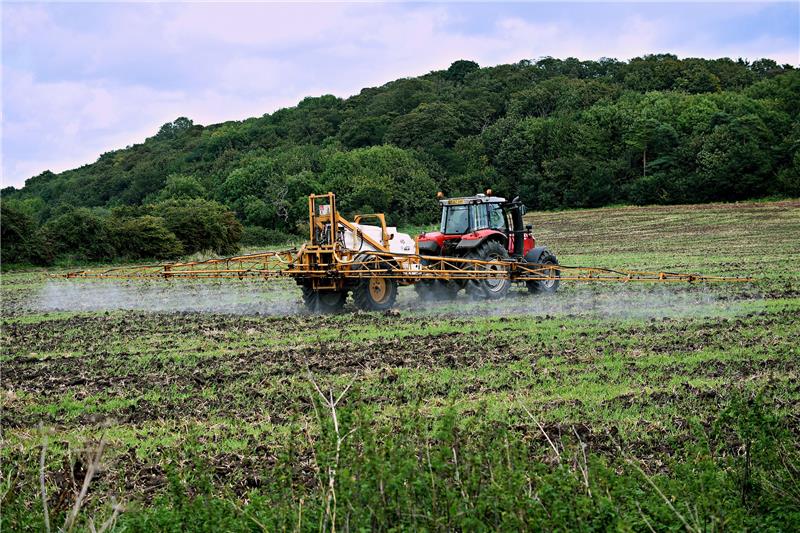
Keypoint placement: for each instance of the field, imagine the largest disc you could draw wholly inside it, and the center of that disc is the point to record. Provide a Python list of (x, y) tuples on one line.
[(613, 406)]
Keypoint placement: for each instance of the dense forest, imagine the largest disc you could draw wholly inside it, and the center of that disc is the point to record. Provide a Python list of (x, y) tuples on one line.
[(558, 133)]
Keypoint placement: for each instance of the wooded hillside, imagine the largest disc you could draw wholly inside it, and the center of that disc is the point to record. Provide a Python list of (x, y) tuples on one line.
[(558, 133)]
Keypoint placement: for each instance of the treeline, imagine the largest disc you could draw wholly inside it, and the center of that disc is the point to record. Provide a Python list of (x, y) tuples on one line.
[(163, 230), (558, 133)]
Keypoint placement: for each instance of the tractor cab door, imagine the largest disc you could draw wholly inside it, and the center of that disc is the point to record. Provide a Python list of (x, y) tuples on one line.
[(456, 219), (497, 218)]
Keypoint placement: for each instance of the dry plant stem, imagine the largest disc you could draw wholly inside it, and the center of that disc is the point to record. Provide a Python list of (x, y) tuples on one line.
[(94, 465), (118, 508), (646, 521), (430, 471), (650, 482), (11, 484), (300, 515), (330, 403), (247, 515), (112, 519), (458, 477), (42, 483), (585, 467), (71, 471), (663, 496), (553, 446)]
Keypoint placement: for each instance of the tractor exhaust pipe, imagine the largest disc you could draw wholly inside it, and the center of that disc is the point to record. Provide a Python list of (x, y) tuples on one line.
[(519, 228)]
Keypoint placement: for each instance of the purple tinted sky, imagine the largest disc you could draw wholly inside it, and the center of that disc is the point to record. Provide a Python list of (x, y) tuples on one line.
[(82, 79)]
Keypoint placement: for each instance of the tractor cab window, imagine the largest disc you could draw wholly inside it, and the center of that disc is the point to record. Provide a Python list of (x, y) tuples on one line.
[(497, 219), (455, 219), (479, 218)]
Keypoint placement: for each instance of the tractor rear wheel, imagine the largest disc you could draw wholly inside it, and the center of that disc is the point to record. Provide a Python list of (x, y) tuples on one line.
[(374, 293), (492, 288), (544, 286), (326, 302)]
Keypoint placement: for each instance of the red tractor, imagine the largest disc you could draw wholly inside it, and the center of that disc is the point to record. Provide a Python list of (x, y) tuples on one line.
[(483, 227)]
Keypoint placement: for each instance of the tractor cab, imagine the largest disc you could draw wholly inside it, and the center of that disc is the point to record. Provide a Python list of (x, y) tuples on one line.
[(465, 215), (468, 222)]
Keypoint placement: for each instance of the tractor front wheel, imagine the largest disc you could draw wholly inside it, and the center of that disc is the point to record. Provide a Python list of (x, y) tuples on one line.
[(490, 288), (326, 302), (544, 286)]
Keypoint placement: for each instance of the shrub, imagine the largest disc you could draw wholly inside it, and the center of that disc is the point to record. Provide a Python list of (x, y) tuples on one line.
[(200, 225), (179, 186), (81, 233), (146, 237), (20, 242), (258, 236)]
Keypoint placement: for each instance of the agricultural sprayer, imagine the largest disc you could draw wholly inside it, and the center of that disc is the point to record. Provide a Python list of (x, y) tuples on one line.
[(482, 247)]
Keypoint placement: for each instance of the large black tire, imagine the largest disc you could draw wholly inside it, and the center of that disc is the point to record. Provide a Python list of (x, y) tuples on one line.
[(326, 302), (374, 293), (545, 286), (489, 289)]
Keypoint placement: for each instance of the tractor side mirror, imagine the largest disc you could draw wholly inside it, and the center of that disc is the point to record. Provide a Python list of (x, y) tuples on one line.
[(528, 228)]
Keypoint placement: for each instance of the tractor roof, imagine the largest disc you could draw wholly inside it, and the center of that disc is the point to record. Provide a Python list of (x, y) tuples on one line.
[(477, 199)]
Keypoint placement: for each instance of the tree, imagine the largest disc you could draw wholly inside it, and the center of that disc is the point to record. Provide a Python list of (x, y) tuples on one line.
[(655, 72), (200, 225), (460, 69), (734, 160), (783, 90), (145, 237), (179, 186), (382, 179), (698, 79), (649, 137), (357, 132), (258, 193), (172, 129), (428, 125), (19, 238), (81, 233)]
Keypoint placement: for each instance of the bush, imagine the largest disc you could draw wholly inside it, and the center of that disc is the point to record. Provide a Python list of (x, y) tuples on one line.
[(146, 237), (80, 233), (258, 236), (179, 186), (20, 241), (200, 225)]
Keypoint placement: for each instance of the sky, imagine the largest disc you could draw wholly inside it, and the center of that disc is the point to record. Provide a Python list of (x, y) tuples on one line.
[(82, 79)]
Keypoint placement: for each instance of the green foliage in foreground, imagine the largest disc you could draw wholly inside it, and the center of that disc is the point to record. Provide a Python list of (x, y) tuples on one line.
[(558, 133), (739, 474)]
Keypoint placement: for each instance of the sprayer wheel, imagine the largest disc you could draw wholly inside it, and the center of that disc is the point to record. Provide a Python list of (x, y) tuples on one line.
[(545, 286), (373, 293), (489, 289), (323, 301)]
